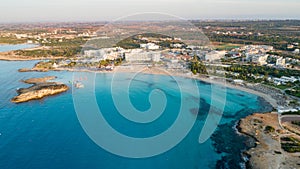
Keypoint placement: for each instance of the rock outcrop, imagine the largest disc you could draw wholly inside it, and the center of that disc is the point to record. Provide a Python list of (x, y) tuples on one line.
[(40, 89)]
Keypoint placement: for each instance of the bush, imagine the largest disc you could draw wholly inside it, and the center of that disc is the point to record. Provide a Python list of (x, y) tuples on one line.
[(291, 113), (269, 129), (290, 144), (296, 123)]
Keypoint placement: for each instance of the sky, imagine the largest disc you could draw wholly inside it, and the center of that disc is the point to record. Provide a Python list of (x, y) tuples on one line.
[(108, 10)]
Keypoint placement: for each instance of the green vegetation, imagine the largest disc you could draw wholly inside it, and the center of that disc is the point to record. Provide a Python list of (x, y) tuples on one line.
[(65, 42), (135, 41), (44, 65), (293, 103), (279, 43), (284, 54), (294, 92), (63, 52), (277, 33), (269, 129), (290, 144), (257, 121), (291, 113), (67, 48), (129, 43), (244, 70), (118, 61), (48, 65), (227, 46), (296, 123), (71, 64), (104, 63), (12, 40), (281, 87), (197, 66)]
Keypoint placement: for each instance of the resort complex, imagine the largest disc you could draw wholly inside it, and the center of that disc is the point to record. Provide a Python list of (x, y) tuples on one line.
[(102, 84)]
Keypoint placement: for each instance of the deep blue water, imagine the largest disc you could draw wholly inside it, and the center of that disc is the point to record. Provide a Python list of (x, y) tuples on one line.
[(47, 134)]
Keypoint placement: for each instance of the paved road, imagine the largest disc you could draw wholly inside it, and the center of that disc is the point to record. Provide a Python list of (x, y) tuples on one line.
[(288, 118)]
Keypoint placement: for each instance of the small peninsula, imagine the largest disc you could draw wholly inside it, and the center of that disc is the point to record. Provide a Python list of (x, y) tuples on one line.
[(40, 88), (271, 140)]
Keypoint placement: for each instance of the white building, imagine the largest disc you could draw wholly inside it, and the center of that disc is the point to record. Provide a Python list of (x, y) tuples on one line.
[(257, 49), (296, 51), (290, 79), (177, 45), (55, 65), (238, 81), (286, 109), (260, 59), (280, 62), (174, 64), (155, 56), (215, 55), (139, 55), (149, 46), (105, 53), (97, 54), (19, 36), (283, 80)]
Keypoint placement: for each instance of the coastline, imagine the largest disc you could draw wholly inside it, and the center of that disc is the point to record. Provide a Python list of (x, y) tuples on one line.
[(211, 80), (253, 162), (160, 71), (267, 152), (11, 56), (40, 88), (8, 56)]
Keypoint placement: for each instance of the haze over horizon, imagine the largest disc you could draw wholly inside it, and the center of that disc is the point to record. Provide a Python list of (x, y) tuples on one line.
[(107, 10)]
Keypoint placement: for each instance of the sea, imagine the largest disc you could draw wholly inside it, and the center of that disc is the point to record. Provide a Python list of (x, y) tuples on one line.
[(47, 133), (5, 48)]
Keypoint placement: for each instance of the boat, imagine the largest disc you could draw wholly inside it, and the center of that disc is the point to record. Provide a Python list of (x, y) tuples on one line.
[(78, 85)]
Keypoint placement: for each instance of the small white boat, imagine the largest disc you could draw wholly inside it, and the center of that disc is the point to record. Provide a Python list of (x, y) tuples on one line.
[(78, 85)]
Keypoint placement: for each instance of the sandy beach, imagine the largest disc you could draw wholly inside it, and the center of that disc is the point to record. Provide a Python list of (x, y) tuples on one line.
[(162, 71), (268, 146), (210, 79)]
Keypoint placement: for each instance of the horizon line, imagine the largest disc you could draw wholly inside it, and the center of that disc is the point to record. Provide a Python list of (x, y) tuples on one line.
[(103, 21)]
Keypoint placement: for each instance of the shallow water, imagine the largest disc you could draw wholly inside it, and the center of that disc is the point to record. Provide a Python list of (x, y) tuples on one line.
[(4, 48), (47, 134)]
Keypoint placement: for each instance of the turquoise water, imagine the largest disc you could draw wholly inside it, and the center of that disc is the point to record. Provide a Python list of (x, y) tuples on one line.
[(4, 48), (47, 134)]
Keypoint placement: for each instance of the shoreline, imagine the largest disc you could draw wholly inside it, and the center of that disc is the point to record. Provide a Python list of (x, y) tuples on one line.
[(210, 80), (11, 56), (40, 88), (160, 71), (267, 152), (6, 56), (215, 81), (249, 160)]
